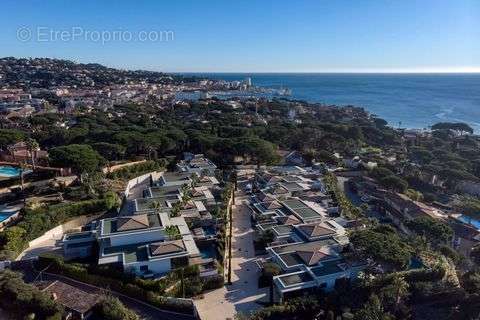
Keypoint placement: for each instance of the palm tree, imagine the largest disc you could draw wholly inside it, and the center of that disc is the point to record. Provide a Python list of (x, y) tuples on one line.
[(11, 149), (269, 271), (32, 148), (397, 289), (22, 180)]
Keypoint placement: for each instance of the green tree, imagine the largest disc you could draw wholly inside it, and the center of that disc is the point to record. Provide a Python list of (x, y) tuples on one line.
[(112, 200), (110, 151), (459, 127), (10, 136), (395, 291), (81, 158), (269, 271), (471, 282), (110, 308), (14, 241), (373, 310), (394, 183), (383, 244), (414, 195), (433, 230), (32, 147)]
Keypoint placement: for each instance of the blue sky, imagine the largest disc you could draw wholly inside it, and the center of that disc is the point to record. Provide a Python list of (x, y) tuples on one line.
[(252, 35)]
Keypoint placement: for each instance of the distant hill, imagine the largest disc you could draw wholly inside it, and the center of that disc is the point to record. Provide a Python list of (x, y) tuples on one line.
[(47, 73)]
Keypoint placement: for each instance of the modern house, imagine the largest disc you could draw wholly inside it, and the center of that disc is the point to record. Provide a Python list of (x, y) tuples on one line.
[(311, 266), (175, 179), (196, 163), (308, 244), (140, 243)]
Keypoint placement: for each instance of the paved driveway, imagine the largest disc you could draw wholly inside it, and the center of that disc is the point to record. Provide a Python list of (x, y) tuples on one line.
[(242, 294), (51, 245)]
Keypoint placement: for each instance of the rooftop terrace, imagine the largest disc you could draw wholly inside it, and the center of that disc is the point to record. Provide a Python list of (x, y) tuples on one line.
[(116, 225), (328, 267), (159, 203), (295, 278), (164, 191), (301, 209)]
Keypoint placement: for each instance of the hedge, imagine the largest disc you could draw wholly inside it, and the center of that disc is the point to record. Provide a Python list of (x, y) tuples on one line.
[(56, 265), (110, 308), (37, 221), (136, 170), (214, 282)]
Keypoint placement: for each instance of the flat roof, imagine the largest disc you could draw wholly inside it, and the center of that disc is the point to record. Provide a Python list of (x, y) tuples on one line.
[(306, 213), (79, 235), (291, 259), (296, 278), (293, 203), (282, 229), (292, 186), (327, 267), (164, 191), (80, 244), (301, 209), (176, 176), (145, 204), (133, 252)]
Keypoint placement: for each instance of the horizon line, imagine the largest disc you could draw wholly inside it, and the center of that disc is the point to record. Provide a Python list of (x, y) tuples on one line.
[(322, 72), (419, 70)]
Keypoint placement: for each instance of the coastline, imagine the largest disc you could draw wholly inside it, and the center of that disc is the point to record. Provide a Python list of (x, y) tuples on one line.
[(406, 100)]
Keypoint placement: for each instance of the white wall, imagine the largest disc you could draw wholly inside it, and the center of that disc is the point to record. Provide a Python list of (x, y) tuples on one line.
[(57, 232), (156, 266), (153, 235)]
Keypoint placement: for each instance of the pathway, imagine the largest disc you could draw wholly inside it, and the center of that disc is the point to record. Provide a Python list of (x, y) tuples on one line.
[(242, 295)]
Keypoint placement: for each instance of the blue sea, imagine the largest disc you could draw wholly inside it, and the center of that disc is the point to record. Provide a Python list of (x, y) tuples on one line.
[(405, 100)]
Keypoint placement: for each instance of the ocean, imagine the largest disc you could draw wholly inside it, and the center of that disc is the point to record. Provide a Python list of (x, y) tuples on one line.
[(404, 100)]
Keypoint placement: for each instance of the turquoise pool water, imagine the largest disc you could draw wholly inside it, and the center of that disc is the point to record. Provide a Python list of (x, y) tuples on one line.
[(471, 221), (416, 263), (4, 215), (9, 172), (209, 231), (208, 252)]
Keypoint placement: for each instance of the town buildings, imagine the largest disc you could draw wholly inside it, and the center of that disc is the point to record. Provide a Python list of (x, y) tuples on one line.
[(308, 239), (160, 231)]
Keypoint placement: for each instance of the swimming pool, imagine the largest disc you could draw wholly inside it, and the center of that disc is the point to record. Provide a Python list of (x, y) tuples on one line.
[(4, 215), (208, 251), (9, 172), (209, 231), (474, 222)]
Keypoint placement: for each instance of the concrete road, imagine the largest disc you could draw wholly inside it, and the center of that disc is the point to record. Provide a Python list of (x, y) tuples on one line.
[(242, 295)]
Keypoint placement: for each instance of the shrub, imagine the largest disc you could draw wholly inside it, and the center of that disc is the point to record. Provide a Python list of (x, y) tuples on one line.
[(382, 245), (112, 200), (437, 231), (451, 254), (110, 308), (23, 299), (39, 220), (471, 282), (214, 282), (136, 170)]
